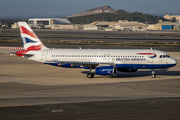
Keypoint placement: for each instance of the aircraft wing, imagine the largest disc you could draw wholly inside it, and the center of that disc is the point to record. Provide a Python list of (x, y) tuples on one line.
[(76, 63), (88, 64)]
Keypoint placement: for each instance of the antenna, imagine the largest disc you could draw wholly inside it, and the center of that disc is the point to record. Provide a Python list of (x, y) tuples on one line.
[(79, 47), (150, 48)]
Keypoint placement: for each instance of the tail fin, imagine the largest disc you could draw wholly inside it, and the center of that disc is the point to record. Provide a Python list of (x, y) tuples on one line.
[(29, 38)]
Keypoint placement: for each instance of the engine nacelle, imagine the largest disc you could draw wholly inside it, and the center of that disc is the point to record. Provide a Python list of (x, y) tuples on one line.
[(105, 70), (126, 70)]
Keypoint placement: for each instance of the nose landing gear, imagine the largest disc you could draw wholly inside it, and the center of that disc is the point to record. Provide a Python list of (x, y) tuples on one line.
[(153, 75)]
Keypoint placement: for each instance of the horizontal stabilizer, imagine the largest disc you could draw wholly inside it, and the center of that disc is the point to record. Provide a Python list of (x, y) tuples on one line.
[(24, 55)]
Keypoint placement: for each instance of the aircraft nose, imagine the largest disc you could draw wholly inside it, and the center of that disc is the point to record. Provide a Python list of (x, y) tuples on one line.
[(173, 61)]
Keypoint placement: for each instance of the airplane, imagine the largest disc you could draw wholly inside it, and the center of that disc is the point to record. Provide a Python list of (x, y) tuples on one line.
[(99, 61)]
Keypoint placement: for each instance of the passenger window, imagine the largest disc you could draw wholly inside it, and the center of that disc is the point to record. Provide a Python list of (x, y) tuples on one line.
[(160, 56)]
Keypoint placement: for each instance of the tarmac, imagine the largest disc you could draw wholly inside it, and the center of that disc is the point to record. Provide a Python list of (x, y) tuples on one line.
[(31, 90)]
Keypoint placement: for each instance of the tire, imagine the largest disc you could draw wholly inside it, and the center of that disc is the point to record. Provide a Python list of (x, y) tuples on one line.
[(90, 75), (153, 75)]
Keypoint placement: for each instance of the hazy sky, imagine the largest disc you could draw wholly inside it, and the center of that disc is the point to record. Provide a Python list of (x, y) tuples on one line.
[(60, 8)]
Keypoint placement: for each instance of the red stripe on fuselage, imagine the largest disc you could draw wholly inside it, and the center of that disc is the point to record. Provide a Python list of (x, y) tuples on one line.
[(26, 31), (146, 53)]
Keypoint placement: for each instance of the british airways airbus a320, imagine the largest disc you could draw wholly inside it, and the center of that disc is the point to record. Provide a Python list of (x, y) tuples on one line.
[(99, 61)]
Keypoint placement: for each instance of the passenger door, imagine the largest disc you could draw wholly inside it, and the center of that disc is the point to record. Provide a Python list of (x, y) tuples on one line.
[(44, 55), (149, 59)]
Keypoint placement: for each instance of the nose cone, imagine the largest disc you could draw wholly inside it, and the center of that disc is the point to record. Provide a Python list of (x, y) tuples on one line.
[(173, 62)]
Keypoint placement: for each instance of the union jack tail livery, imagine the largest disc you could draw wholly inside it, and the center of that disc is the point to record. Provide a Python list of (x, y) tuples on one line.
[(29, 38)]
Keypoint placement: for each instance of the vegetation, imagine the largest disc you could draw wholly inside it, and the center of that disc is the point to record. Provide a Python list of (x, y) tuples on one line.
[(114, 17)]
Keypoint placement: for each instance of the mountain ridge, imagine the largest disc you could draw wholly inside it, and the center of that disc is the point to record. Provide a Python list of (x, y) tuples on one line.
[(98, 10)]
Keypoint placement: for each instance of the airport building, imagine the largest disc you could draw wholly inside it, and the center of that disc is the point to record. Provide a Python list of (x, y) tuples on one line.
[(15, 26), (101, 25), (125, 26), (63, 26), (150, 27), (165, 25), (88, 27), (49, 23), (177, 27)]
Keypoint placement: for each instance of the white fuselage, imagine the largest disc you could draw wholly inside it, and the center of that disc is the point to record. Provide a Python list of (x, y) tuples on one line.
[(127, 57)]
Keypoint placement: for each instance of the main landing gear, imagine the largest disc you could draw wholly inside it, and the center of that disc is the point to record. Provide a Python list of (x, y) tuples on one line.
[(90, 75), (153, 75)]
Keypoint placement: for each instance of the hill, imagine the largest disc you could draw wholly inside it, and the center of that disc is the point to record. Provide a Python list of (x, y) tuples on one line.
[(106, 13), (99, 10)]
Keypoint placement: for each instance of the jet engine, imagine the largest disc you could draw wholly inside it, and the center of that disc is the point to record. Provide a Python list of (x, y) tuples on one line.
[(104, 70)]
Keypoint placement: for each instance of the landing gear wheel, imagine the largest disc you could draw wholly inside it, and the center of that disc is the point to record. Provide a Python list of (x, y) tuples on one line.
[(153, 76), (90, 75)]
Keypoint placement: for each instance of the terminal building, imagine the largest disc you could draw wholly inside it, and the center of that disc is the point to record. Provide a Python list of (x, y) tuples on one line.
[(49, 23)]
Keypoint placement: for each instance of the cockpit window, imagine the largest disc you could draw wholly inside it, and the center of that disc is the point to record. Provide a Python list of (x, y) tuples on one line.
[(167, 56), (164, 56)]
